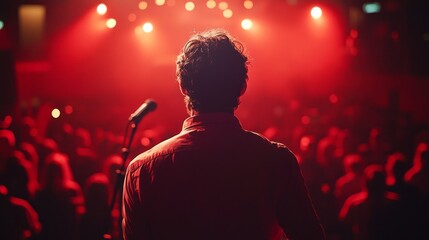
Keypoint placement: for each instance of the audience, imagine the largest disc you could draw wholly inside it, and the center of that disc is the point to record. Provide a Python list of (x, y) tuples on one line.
[(363, 183)]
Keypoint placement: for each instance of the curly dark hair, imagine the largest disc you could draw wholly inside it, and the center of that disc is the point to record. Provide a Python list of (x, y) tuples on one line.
[(212, 72)]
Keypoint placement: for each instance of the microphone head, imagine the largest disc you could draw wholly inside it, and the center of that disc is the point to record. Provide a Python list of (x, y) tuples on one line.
[(148, 106), (151, 105)]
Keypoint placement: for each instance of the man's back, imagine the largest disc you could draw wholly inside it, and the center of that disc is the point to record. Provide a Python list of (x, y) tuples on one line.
[(216, 181)]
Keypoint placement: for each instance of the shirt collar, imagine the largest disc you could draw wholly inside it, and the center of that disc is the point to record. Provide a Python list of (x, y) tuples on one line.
[(204, 120)]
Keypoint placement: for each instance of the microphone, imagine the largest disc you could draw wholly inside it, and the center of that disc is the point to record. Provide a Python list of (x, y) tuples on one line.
[(148, 106)]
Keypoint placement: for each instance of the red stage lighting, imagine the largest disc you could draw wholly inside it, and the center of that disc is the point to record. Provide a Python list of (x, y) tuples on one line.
[(211, 4), (111, 23), (147, 27), (189, 6), (246, 24), (316, 13), (55, 113), (227, 13), (101, 9), (248, 4)]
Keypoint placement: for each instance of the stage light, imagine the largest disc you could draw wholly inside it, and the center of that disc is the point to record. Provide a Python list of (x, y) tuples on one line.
[(1, 24), (211, 4), (227, 13), (142, 5), (223, 5), (101, 9), (316, 13), (374, 7), (189, 6), (248, 4), (111, 23), (246, 24), (147, 27), (55, 113), (159, 2)]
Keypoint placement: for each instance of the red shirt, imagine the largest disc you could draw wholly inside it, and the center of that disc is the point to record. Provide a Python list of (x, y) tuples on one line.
[(215, 180)]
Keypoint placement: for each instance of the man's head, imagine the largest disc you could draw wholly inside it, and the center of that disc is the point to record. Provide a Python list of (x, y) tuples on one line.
[(212, 72)]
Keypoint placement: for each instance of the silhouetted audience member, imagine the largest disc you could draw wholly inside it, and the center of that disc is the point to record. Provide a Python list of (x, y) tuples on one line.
[(32, 156), (377, 148), (111, 165), (46, 147), (420, 180), (18, 220), (327, 155), (373, 213), (396, 167), (83, 161), (14, 168), (60, 201), (317, 184), (420, 176), (352, 181), (97, 219)]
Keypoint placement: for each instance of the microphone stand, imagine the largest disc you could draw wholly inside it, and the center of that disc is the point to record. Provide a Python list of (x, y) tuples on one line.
[(120, 174)]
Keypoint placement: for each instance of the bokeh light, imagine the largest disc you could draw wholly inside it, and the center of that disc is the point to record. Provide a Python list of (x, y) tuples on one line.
[(223, 5), (145, 141), (333, 98), (305, 120), (142, 5), (354, 33), (68, 109), (316, 13), (227, 13), (111, 23), (211, 4), (55, 113), (159, 2), (147, 27), (132, 17), (1, 24), (374, 7), (246, 24), (248, 4), (101, 9), (189, 6)]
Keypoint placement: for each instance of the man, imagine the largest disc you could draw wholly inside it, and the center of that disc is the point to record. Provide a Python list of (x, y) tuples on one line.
[(215, 180)]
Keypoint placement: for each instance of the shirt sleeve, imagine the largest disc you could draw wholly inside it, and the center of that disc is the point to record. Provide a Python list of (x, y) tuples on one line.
[(295, 210), (134, 222)]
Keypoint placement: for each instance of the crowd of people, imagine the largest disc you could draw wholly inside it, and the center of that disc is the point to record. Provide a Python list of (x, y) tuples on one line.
[(366, 182)]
